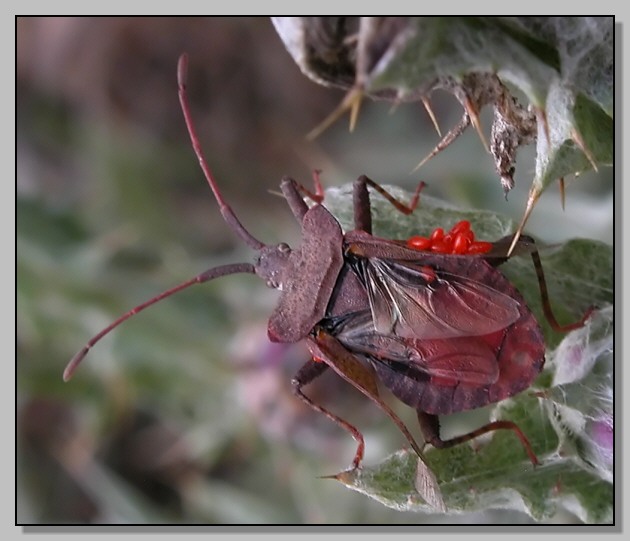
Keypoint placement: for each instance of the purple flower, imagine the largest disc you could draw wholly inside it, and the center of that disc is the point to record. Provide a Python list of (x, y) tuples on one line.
[(601, 433)]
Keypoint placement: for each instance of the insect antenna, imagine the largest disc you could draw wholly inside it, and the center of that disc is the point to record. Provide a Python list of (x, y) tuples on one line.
[(205, 276), (226, 211)]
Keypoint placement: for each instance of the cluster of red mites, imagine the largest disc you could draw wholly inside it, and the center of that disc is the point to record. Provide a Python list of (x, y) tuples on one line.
[(459, 240)]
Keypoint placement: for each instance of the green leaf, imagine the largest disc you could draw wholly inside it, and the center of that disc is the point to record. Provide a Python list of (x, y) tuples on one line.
[(387, 222), (580, 137), (453, 46)]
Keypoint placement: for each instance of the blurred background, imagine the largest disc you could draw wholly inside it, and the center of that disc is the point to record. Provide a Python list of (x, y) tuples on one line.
[(185, 413)]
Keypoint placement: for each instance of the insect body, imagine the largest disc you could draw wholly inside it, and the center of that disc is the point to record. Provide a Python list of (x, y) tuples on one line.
[(445, 333), (444, 330)]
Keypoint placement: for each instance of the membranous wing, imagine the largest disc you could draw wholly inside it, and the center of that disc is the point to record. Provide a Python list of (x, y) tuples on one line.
[(428, 301), (454, 360)]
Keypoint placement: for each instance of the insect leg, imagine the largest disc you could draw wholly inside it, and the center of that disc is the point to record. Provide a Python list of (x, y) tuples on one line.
[(546, 305), (430, 426), (329, 350), (291, 191), (310, 371), (361, 205), (361, 202), (294, 193), (526, 244)]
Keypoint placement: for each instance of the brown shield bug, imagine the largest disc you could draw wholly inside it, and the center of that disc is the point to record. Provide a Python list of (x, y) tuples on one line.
[(443, 329)]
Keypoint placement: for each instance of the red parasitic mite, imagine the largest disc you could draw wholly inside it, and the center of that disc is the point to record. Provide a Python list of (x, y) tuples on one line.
[(460, 240), (431, 318)]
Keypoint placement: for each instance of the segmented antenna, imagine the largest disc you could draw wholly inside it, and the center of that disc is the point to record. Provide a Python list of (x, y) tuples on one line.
[(227, 213), (205, 276)]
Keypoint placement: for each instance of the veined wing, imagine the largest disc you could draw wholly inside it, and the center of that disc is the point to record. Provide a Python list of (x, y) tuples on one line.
[(453, 360), (412, 300)]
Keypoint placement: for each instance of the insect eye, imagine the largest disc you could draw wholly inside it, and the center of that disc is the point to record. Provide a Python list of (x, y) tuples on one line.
[(284, 248)]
